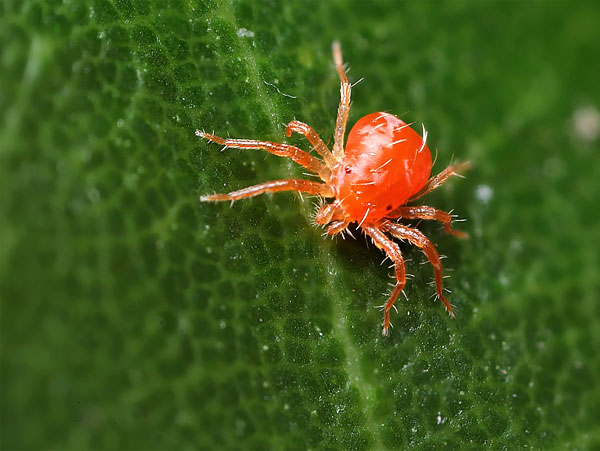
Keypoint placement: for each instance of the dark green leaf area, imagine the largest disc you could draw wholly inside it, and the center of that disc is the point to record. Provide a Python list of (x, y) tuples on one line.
[(136, 317)]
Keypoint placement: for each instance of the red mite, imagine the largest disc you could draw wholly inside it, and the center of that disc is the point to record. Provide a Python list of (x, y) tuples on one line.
[(384, 167)]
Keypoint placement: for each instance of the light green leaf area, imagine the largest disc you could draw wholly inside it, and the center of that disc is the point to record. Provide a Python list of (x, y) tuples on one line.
[(136, 317)]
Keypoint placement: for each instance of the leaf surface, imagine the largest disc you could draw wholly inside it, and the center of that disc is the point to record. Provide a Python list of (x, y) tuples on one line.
[(135, 317)]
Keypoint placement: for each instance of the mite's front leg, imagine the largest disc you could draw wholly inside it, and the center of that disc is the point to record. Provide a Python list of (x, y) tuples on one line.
[(314, 139), (304, 186), (344, 107), (279, 149)]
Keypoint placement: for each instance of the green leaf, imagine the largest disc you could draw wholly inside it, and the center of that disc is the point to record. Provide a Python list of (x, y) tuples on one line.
[(135, 317)]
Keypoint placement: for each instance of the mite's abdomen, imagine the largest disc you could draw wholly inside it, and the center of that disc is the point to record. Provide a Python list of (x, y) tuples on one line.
[(385, 163)]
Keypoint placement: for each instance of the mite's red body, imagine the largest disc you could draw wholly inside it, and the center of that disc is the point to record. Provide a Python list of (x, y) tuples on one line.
[(384, 167), (385, 163)]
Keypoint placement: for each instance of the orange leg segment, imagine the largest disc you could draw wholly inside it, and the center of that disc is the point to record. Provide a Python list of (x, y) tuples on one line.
[(281, 150), (393, 251), (328, 213), (336, 227), (344, 107), (436, 181), (424, 212), (304, 186), (418, 239), (314, 139)]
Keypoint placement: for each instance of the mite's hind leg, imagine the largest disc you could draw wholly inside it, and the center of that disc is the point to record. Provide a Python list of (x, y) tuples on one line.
[(418, 239), (303, 186), (281, 150), (314, 138), (393, 251), (436, 181), (344, 107), (425, 212)]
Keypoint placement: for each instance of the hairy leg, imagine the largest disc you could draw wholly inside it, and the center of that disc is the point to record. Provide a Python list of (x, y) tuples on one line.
[(436, 181), (281, 150), (344, 107), (332, 216), (314, 139), (336, 227), (418, 239), (425, 212), (304, 186), (328, 213), (393, 251)]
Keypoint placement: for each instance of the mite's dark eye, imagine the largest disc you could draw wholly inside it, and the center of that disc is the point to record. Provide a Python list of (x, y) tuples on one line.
[(348, 169), (388, 208)]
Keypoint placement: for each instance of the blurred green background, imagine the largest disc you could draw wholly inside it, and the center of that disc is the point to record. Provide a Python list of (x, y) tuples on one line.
[(134, 317)]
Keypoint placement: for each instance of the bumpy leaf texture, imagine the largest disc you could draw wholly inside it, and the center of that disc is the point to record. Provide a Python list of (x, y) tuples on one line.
[(135, 317)]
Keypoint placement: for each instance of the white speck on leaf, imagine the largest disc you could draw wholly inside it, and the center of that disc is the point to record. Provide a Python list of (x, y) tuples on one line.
[(484, 193), (244, 33), (93, 195), (515, 245), (586, 123)]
